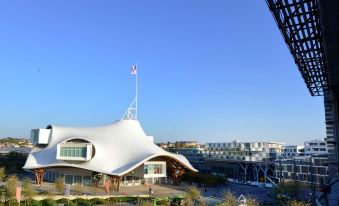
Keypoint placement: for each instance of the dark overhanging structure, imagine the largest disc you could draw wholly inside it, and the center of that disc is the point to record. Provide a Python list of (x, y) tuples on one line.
[(299, 24), (310, 29)]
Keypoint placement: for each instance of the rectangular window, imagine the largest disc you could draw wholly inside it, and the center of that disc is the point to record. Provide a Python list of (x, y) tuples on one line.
[(84, 152), (69, 179), (153, 169), (87, 180), (77, 152), (73, 152), (77, 179), (146, 169), (68, 151)]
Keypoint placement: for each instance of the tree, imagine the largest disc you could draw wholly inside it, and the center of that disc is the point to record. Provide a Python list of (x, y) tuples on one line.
[(2, 174), (28, 190), (11, 184), (59, 186)]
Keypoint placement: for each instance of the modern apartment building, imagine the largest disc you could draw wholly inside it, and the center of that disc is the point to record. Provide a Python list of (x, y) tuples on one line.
[(291, 151), (243, 151), (303, 169), (194, 156), (315, 147)]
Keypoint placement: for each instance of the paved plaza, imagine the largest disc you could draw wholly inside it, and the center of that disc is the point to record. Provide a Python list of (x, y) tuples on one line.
[(211, 195)]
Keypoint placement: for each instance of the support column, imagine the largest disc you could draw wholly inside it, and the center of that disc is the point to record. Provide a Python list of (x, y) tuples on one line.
[(253, 171), (256, 172), (115, 182), (264, 169), (265, 172), (176, 171), (39, 175), (245, 170)]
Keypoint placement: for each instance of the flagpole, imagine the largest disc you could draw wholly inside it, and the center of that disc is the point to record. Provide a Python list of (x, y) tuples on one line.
[(136, 92)]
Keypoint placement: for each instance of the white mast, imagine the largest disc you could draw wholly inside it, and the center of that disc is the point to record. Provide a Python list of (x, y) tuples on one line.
[(132, 111), (136, 91)]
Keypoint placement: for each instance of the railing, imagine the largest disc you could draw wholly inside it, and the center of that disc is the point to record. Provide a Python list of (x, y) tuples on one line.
[(324, 194)]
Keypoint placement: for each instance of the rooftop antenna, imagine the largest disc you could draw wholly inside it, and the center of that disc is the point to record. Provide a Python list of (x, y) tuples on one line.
[(132, 111)]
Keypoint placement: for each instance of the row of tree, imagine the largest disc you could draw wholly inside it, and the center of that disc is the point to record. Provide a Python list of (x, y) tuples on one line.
[(204, 179), (13, 162), (8, 193)]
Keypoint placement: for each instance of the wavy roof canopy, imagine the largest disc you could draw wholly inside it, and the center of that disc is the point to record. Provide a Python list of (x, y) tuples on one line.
[(119, 148)]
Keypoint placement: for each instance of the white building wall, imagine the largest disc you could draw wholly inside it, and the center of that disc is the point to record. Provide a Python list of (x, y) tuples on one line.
[(315, 147), (291, 151), (242, 151)]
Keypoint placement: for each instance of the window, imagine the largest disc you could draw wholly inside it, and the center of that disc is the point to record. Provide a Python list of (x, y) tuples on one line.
[(146, 169), (69, 179), (35, 136), (157, 169), (73, 152), (153, 169), (77, 179), (86, 180)]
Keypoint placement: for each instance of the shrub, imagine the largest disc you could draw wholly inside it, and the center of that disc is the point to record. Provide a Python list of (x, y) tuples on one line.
[(2, 174), (28, 190), (11, 184), (59, 186), (297, 203), (229, 200)]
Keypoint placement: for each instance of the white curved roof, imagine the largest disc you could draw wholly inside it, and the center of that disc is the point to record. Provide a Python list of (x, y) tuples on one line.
[(119, 148)]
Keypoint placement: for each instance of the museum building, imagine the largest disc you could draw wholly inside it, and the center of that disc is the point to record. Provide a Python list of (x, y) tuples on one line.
[(120, 152)]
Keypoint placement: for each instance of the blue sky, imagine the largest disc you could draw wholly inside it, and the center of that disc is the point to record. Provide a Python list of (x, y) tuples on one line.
[(208, 70)]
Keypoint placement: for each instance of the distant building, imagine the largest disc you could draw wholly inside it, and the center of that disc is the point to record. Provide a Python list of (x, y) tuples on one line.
[(303, 169), (22, 150), (245, 161), (11, 142), (174, 147), (194, 156), (243, 151), (290, 151), (314, 147), (169, 147), (186, 144)]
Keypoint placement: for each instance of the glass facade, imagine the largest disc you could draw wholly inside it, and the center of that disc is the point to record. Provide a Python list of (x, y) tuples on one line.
[(73, 152), (68, 179), (153, 169), (51, 176), (86, 180), (35, 136), (77, 179)]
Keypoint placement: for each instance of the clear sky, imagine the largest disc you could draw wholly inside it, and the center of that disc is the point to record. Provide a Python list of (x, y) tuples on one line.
[(208, 70)]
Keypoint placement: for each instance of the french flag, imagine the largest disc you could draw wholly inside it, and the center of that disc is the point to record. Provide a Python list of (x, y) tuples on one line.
[(134, 70)]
